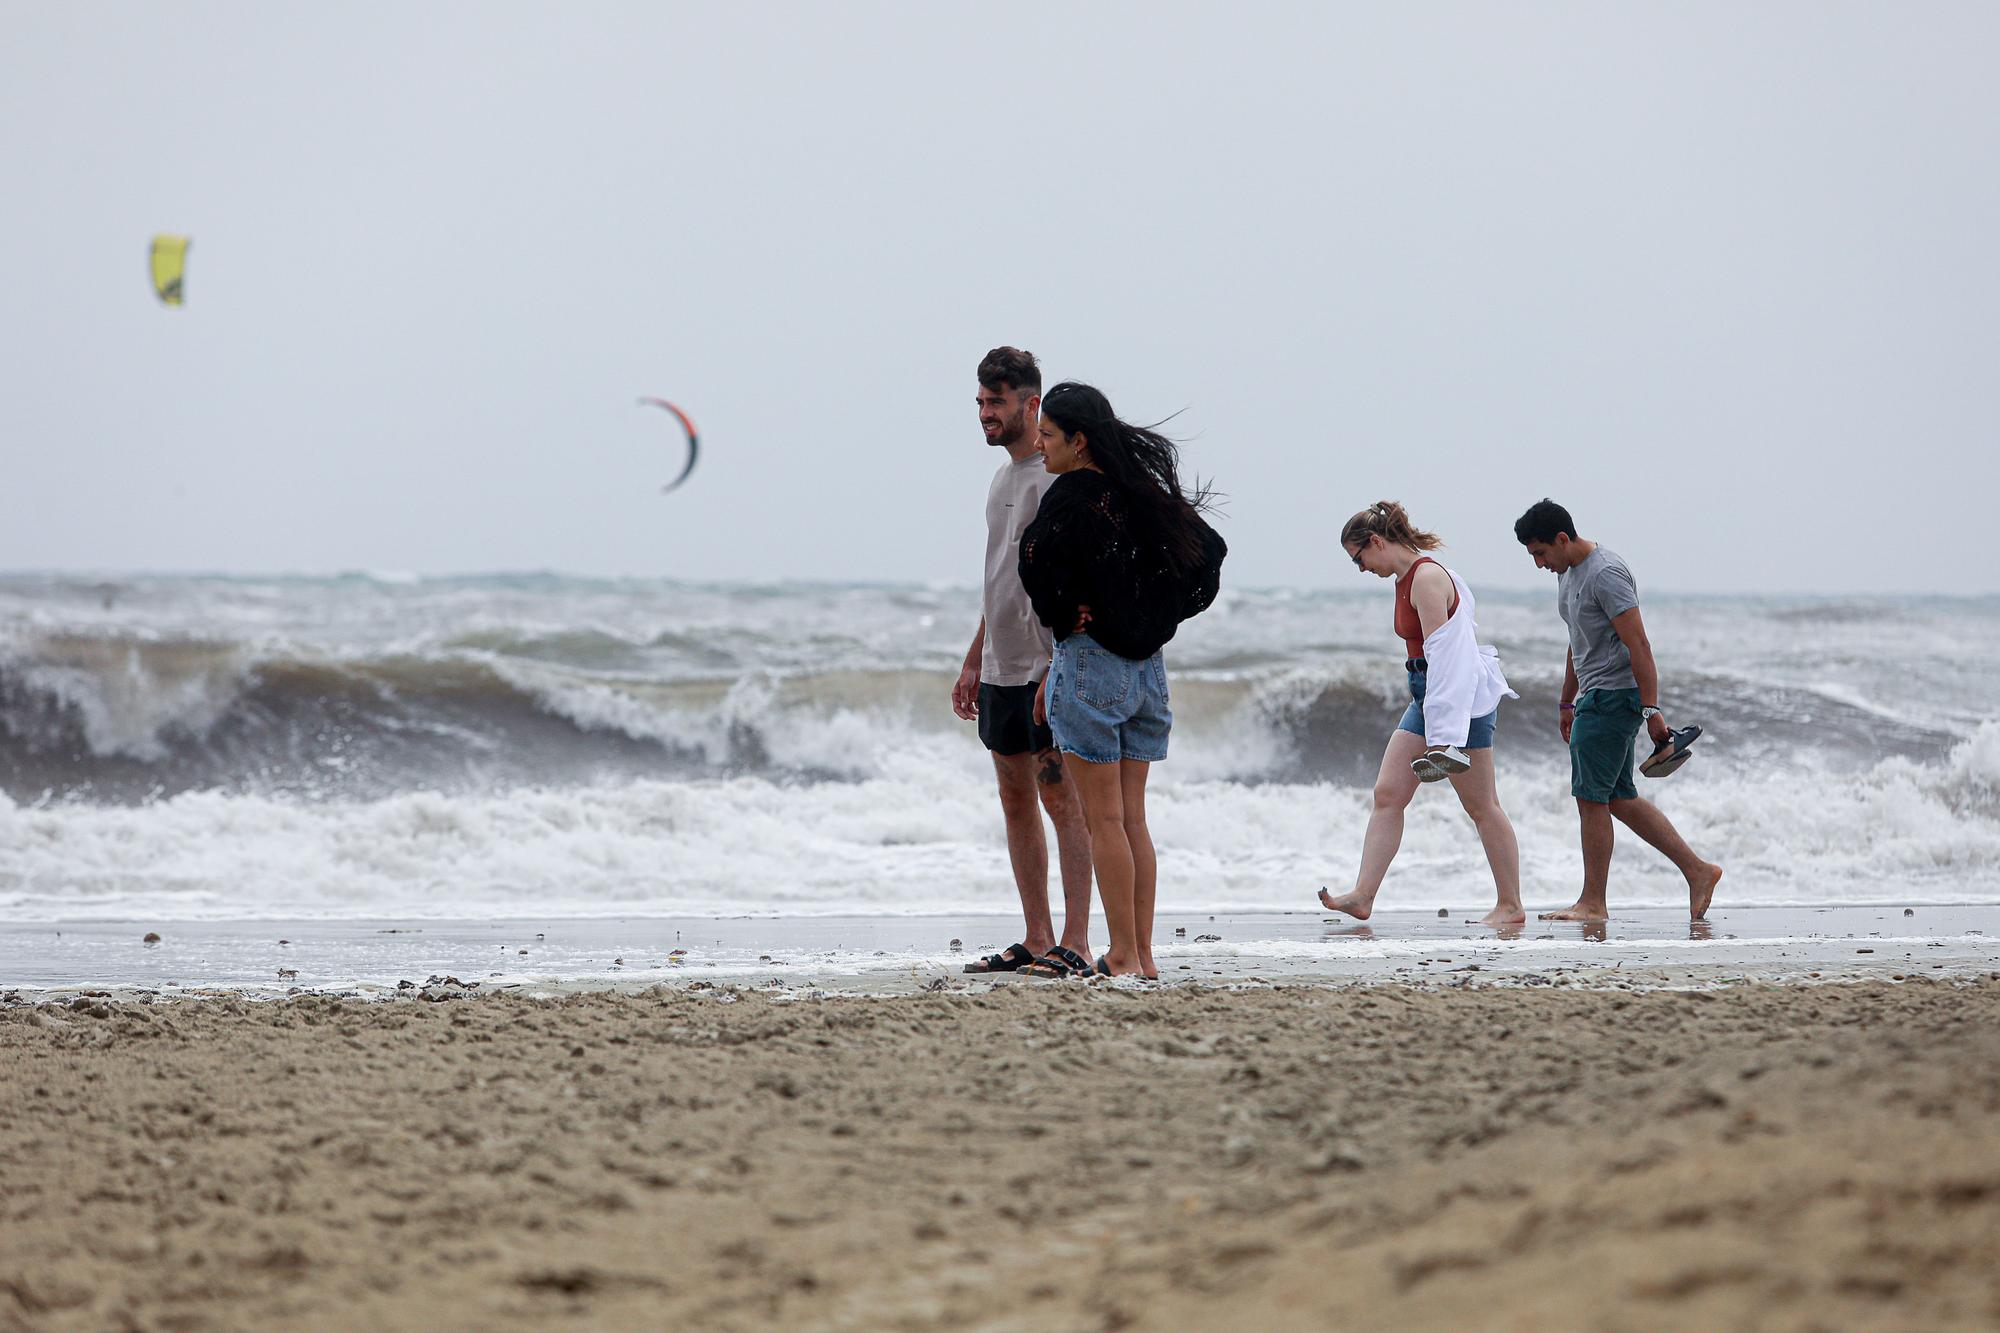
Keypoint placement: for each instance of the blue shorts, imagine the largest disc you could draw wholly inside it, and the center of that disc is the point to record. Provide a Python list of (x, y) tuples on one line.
[(1480, 737), (1603, 733), (1103, 707)]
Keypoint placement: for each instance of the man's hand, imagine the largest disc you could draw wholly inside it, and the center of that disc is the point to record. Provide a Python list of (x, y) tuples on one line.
[(1041, 703), (1082, 619), (1565, 717), (965, 694), (1657, 728)]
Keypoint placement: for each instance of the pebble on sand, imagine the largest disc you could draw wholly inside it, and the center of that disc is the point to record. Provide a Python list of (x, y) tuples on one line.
[(1444, 911)]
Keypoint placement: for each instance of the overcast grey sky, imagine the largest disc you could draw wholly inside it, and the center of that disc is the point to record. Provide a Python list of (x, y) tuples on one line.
[(1721, 277)]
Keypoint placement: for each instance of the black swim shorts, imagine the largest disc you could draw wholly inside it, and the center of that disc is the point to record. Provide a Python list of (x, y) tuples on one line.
[(1007, 720)]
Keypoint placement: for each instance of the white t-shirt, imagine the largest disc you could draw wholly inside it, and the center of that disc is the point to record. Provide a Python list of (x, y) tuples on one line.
[(1017, 645)]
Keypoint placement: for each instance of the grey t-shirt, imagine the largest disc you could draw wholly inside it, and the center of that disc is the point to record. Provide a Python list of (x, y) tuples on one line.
[(1017, 645), (1589, 597)]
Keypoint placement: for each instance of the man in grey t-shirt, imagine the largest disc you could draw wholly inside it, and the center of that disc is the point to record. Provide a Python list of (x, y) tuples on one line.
[(1004, 666), (1610, 687)]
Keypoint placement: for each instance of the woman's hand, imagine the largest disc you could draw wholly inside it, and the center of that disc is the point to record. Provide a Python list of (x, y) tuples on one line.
[(1082, 618), (1041, 702)]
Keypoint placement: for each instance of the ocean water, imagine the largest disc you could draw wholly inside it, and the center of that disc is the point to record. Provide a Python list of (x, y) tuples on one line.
[(375, 747)]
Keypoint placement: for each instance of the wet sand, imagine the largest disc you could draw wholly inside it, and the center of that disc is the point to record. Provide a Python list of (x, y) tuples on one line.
[(1027, 1157), (903, 954)]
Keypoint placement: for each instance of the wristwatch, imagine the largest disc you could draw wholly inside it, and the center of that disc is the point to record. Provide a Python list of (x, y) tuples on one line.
[(1648, 713)]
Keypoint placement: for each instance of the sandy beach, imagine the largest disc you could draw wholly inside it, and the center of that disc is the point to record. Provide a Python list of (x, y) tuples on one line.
[(1033, 1156)]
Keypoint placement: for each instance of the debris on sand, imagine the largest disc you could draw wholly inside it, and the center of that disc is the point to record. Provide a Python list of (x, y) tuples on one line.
[(152, 937)]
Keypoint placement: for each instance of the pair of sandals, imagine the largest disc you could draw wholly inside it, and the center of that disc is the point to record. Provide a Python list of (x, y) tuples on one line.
[(1442, 761), (1670, 753), (1439, 762), (1057, 962)]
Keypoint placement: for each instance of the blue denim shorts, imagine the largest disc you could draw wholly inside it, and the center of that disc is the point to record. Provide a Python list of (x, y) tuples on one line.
[(1479, 738), (1103, 707)]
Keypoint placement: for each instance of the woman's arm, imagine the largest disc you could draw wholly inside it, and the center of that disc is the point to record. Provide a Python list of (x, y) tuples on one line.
[(1430, 593)]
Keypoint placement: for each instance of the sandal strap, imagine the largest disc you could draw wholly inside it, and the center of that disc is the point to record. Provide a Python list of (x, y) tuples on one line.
[(1075, 961)]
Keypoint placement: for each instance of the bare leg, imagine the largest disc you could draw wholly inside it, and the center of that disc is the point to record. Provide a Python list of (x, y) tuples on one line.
[(1072, 848), (1597, 839), (1496, 834), (1649, 822), (1145, 865), (1027, 847), (1395, 784), (1110, 855)]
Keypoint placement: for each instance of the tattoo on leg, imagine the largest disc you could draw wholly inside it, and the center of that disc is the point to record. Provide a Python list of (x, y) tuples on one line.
[(1050, 772)]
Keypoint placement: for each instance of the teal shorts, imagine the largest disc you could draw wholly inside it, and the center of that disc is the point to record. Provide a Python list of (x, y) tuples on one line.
[(1602, 739)]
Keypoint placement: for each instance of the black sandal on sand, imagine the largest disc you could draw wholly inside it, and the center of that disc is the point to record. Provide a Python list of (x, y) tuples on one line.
[(1671, 753), (1102, 969), (1058, 962), (1012, 959)]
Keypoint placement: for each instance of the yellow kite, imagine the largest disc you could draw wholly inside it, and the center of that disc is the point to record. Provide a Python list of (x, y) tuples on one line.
[(169, 262)]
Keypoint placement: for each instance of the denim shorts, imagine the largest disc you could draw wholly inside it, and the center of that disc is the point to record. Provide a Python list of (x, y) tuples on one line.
[(1480, 737), (1103, 707)]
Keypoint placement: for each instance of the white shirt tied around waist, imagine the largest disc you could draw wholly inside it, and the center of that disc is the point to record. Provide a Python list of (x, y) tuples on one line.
[(1463, 678)]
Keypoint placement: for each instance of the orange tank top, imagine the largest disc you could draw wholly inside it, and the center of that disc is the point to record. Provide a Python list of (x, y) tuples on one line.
[(1409, 625)]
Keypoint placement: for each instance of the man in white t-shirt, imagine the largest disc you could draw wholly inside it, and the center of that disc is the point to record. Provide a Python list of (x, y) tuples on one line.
[(1007, 661)]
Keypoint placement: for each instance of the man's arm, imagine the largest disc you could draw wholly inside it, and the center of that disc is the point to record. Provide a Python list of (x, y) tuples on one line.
[(1566, 709), (965, 691), (1632, 633)]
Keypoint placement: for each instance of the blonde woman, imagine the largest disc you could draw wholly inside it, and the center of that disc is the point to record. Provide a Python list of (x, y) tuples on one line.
[(1447, 731)]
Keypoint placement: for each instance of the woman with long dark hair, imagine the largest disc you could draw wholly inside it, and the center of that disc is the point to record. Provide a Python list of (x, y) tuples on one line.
[(1447, 731), (1117, 557)]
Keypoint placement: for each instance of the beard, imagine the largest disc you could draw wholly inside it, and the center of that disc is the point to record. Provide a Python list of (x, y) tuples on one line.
[(1012, 431)]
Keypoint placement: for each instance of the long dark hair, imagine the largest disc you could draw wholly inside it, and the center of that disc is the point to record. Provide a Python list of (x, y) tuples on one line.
[(1139, 461)]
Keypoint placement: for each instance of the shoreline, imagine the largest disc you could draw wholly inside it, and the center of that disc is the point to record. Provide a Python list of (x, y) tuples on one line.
[(906, 954)]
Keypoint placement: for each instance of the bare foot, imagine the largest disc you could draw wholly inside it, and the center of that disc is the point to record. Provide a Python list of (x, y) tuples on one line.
[(1701, 888), (1582, 911), (1508, 914), (1353, 904)]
